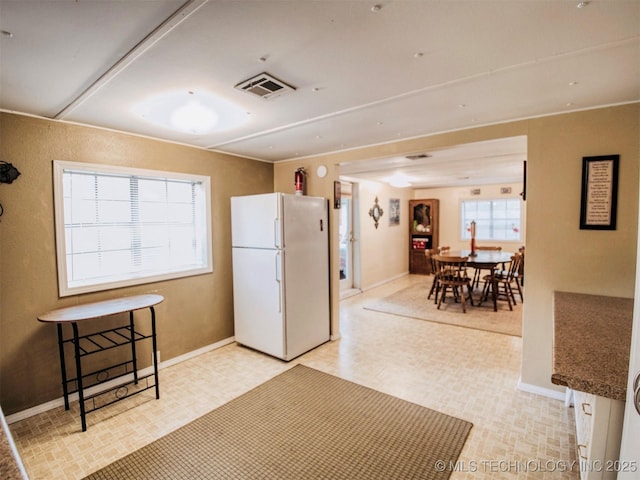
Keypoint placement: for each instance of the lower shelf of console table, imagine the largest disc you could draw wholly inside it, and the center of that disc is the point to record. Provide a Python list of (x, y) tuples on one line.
[(123, 379)]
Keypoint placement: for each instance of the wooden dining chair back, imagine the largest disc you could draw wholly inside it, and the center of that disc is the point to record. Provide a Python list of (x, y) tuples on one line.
[(518, 275), (435, 286), (452, 275), (502, 282), (521, 271)]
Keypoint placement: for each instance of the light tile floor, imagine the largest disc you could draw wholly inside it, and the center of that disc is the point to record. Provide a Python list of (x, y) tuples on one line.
[(467, 373)]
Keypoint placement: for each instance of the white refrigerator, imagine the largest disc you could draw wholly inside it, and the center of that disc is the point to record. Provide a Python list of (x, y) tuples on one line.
[(280, 247)]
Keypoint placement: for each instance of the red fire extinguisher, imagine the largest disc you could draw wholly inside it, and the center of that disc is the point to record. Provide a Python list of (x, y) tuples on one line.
[(300, 181)]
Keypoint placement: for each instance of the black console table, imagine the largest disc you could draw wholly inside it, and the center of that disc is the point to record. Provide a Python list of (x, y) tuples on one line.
[(99, 341)]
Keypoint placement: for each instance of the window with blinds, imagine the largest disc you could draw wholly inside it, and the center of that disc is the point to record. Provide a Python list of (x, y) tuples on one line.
[(119, 226), (497, 219)]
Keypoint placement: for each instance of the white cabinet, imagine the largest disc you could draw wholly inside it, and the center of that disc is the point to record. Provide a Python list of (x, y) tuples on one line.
[(598, 433)]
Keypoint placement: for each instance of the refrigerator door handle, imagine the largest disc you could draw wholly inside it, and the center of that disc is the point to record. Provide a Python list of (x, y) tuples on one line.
[(276, 232), (278, 261)]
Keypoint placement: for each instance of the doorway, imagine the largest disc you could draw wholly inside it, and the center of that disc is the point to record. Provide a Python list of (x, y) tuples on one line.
[(348, 239)]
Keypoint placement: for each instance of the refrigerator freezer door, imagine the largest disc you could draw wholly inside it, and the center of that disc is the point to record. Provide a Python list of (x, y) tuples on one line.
[(255, 221), (306, 273), (258, 299)]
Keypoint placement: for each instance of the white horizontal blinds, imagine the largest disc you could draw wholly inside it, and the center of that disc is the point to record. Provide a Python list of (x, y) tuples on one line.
[(506, 219), (495, 219), (119, 227)]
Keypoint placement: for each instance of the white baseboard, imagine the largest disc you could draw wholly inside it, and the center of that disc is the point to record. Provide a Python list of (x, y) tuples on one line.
[(545, 392), (386, 280), (59, 402)]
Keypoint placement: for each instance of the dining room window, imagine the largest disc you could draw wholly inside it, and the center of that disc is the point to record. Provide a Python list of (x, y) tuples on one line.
[(496, 219), (118, 226)]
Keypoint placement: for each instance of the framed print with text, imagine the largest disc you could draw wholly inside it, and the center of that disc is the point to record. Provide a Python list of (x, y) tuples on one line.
[(599, 200)]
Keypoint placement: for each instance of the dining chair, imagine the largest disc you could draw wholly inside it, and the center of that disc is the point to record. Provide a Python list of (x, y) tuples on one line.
[(499, 283), (477, 274), (521, 271), (435, 286), (452, 274)]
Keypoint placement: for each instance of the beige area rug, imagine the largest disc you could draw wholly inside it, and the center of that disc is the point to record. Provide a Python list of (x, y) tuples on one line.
[(412, 302), (303, 424)]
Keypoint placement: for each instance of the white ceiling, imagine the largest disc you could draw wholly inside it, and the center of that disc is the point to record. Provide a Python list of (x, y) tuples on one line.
[(490, 162), (362, 77)]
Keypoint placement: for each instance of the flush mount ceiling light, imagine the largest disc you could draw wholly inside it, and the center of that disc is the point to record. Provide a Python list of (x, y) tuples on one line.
[(193, 112), (194, 118), (399, 180)]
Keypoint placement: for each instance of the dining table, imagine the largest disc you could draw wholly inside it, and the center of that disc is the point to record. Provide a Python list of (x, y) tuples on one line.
[(485, 259)]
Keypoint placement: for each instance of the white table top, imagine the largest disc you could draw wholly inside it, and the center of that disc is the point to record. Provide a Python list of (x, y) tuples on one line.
[(103, 308)]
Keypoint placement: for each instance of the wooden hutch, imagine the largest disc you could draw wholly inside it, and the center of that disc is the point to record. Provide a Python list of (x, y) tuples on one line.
[(423, 233)]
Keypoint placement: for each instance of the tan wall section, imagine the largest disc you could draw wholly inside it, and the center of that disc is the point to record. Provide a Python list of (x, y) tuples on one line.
[(197, 311), (384, 250)]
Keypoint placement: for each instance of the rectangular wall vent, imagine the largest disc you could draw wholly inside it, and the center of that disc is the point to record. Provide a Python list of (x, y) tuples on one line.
[(264, 86)]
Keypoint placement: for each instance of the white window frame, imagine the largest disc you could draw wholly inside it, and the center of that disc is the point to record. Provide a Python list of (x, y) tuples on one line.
[(106, 283), (465, 233)]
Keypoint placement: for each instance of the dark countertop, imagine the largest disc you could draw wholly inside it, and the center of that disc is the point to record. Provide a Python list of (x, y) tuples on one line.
[(592, 343)]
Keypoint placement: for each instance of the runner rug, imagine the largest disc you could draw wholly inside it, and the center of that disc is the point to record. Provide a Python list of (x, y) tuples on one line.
[(412, 302), (303, 424)]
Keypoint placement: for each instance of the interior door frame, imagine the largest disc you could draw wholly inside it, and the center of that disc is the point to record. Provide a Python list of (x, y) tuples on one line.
[(350, 190)]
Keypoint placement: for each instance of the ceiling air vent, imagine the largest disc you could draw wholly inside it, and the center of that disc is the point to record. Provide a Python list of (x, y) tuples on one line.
[(264, 86)]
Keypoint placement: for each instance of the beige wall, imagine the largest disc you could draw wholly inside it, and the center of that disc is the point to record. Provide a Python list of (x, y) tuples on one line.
[(560, 256), (450, 200), (197, 311), (383, 250)]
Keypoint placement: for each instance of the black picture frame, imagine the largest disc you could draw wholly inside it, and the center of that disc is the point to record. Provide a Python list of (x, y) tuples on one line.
[(524, 181), (599, 195), (394, 211), (337, 195)]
